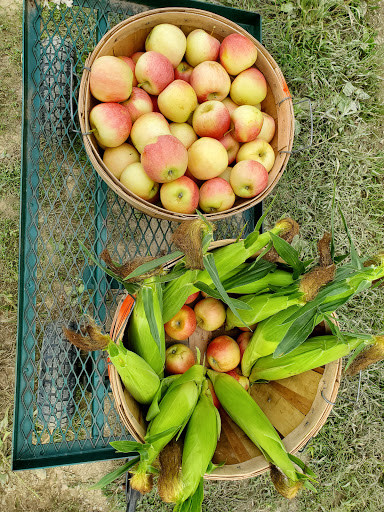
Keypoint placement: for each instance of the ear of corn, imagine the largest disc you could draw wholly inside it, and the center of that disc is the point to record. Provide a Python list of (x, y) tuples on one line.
[(136, 374), (141, 338), (245, 412), (175, 410), (226, 259), (277, 278), (348, 282), (263, 306), (316, 352), (200, 443), (266, 338)]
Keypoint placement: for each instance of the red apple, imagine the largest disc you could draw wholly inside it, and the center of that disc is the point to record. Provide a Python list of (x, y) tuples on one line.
[(183, 72), (211, 119), (178, 359), (180, 196), (246, 329), (192, 298), (177, 101), (226, 175), (118, 158), (137, 181), (216, 195), (132, 65), (247, 121), (138, 103), (165, 160), (154, 103), (210, 314), (237, 53), (249, 87), (191, 177), (248, 178), (154, 72), (243, 340), (110, 79), (210, 81), (207, 158), (241, 379), (168, 40), (268, 129), (223, 354), (182, 325), (110, 123), (147, 128), (231, 105), (136, 56), (201, 47), (215, 400), (231, 145), (257, 150)]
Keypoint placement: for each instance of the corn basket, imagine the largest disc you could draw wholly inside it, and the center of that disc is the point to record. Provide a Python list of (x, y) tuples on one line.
[(295, 406)]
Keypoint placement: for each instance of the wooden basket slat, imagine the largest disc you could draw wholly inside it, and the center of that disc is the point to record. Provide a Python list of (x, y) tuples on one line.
[(302, 403)]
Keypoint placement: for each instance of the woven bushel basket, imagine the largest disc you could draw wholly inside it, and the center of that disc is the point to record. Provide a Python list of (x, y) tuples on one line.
[(129, 37), (295, 406)]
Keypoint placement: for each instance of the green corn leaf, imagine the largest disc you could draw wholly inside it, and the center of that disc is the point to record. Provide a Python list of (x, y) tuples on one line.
[(197, 497), (335, 330), (241, 232), (308, 485), (339, 259), (150, 315), (356, 352), (266, 249), (211, 466), (239, 304), (262, 218), (129, 446), (107, 479), (332, 246), (210, 266), (288, 254), (168, 277), (255, 271), (100, 265), (307, 470), (151, 265), (164, 385), (355, 260), (297, 333), (160, 435)]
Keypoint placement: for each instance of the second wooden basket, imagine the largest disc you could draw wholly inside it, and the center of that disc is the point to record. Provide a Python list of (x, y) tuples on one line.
[(295, 406), (128, 37)]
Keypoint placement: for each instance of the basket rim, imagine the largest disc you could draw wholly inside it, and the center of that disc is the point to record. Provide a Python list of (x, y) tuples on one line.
[(134, 200)]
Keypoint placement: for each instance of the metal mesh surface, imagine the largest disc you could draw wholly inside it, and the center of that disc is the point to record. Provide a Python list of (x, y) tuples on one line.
[(64, 411)]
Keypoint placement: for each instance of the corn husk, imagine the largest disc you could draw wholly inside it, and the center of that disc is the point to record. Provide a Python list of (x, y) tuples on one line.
[(147, 344), (136, 374), (275, 279), (226, 259), (175, 410), (316, 352), (245, 412)]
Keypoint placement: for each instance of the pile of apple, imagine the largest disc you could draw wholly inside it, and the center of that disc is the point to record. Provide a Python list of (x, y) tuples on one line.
[(170, 128), (223, 354)]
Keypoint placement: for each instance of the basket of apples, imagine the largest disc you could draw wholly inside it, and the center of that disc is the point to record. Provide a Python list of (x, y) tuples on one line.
[(182, 109)]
